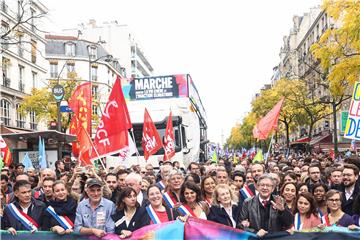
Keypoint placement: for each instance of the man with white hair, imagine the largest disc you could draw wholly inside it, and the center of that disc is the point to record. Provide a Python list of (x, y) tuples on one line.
[(164, 172), (134, 180)]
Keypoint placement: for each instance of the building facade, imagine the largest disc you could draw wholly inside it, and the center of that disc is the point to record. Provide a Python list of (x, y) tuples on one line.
[(120, 41), (23, 65)]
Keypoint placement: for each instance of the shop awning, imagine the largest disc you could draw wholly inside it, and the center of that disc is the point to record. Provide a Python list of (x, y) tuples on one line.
[(303, 140), (48, 134), (326, 138)]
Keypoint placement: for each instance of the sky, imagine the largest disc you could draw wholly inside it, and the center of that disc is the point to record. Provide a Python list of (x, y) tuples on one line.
[(229, 47)]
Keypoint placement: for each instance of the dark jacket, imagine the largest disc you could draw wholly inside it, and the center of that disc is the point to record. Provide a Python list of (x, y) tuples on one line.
[(347, 205), (145, 200), (218, 214), (136, 222), (67, 208), (278, 221), (36, 211), (171, 213)]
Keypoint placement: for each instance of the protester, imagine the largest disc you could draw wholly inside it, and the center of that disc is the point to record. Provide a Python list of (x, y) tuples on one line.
[(156, 211), (25, 213), (350, 189), (258, 216), (336, 216), (224, 209), (128, 216), (306, 215), (191, 199), (288, 192), (61, 211), (172, 194), (208, 185), (93, 215), (319, 190), (133, 180), (164, 172)]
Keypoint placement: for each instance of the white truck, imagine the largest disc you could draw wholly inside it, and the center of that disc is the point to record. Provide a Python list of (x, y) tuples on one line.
[(159, 95)]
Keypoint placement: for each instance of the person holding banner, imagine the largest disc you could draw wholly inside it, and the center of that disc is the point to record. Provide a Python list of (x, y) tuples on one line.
[(336, 216), (306, 215), (61, 211), (156, 211), (129, 216), (24, 213)]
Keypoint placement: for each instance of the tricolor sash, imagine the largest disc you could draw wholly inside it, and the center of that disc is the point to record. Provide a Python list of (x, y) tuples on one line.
[(186, 210), (324, 219), (23, 218), (152, 214), (161, 185), (246, 192), (169, 200), (297, 222), (64, 221)]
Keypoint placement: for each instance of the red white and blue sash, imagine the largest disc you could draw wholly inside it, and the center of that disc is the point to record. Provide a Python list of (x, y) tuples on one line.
[(64, 221), (246, 192), (186, 210), (152, 214), (161, 185), (23, 218), (297, 222), (324, 219), (169, 200)]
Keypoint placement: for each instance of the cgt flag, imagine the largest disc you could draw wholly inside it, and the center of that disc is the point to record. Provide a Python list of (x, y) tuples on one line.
[(112, 134), (169, 144), (151, 141), (268, 123), (5, 153)]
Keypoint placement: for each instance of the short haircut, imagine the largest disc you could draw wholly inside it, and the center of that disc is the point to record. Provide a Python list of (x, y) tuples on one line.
[(238, 174), (152, 186), (163, 167), (121, 172), (137, 177), (49, 179), (312, 166), (266, 176), (194, 176), (20, 184), (216, 195), (331, 193), (4, 177), (192, 163), (175, 171), (353, 167), (319, 184), (111, 174)]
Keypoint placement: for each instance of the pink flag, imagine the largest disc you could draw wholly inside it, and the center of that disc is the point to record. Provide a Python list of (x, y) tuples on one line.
[(112, 133), (268, 123)]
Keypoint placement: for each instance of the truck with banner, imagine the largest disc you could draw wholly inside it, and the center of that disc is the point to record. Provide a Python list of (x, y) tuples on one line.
[(160, 95)]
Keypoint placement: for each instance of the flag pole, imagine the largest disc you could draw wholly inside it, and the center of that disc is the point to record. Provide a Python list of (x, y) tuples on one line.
[(97, 153), (270, 145), (137, 152)]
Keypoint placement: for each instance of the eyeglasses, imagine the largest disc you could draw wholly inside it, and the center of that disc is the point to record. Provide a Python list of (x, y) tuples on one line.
[(334, 200), (266, 185)]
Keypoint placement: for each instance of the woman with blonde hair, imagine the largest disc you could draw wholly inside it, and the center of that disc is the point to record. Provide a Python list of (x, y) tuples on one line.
[(224, 209)]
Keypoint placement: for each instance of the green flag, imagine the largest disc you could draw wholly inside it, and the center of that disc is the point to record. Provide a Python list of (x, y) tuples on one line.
[(1, 162), (258, 157), (214, 157)]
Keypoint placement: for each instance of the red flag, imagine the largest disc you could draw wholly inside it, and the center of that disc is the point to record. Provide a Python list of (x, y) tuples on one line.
[(169, 143), (73, 129), (112, 133), (151, 141), (80, 104), (332, 154), (268, 123), (5, 152), (84, 146)]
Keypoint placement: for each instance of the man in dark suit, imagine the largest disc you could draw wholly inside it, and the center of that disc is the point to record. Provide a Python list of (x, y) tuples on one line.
[(133, 180), (264, 213), (350, 189)]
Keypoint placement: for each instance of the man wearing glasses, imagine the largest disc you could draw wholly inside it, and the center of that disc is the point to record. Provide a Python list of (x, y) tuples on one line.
[(264, 213), (349, 190)]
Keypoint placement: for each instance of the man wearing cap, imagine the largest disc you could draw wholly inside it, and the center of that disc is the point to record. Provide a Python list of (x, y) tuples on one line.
[(93, 215), (19, 169)]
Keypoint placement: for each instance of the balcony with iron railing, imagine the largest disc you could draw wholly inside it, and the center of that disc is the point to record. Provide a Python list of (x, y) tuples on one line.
[(5, 121), (21, 87), (20, 123), (6, 82)]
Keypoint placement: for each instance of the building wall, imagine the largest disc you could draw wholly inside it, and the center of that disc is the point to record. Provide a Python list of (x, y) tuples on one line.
[(27, 53)]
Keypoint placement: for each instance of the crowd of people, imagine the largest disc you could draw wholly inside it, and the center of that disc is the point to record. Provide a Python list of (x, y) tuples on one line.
[(295, 193)]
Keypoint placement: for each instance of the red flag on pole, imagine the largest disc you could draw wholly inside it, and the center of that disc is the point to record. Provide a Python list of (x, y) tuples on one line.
[(73, 130), (85, 146), (151, 141), (268, 123), (112, 133), (5, 152), (80, 104), (169, 143)]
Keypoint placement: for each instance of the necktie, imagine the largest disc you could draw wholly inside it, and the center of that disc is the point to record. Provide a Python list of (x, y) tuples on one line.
[(264, 202)]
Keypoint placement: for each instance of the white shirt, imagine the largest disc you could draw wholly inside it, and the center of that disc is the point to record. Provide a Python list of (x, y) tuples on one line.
[(229, 213), (140, 197), (349, 192)]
